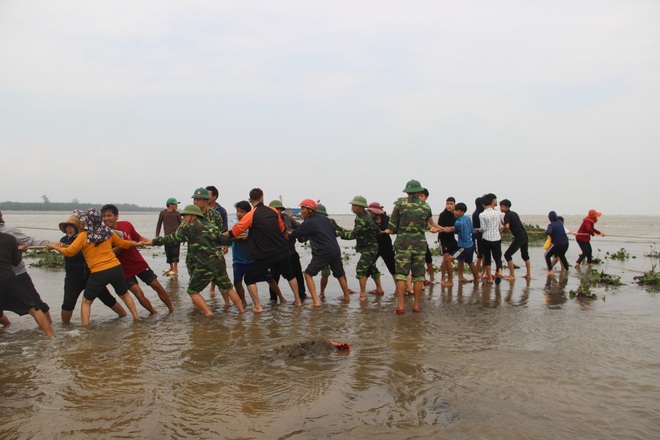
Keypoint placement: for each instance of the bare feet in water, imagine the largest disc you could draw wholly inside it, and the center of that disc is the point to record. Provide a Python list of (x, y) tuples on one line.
[(376, 292)]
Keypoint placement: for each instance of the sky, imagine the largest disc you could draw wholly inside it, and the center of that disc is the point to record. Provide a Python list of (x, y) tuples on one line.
[(553, 105)]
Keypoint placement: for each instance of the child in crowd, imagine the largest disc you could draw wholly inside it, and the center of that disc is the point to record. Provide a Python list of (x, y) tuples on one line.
[(465, 251)]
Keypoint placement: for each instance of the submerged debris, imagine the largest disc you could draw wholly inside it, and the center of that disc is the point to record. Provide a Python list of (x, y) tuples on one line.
[(311, 348)]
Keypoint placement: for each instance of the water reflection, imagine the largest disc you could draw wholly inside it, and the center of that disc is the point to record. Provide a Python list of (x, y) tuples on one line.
[(555, 289)]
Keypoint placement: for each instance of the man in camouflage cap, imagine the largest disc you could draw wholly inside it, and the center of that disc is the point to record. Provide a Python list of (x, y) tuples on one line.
[(206, 263), (410, 220), (365, 232), (201, 198)]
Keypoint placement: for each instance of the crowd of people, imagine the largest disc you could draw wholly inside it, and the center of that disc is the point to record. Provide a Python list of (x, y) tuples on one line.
[(100, 250)]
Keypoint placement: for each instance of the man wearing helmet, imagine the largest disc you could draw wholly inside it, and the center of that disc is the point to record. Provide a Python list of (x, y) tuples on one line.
[(365, 231), (321, 233)]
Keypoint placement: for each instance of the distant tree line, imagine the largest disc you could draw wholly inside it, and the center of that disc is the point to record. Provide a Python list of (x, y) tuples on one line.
[(47, 205)]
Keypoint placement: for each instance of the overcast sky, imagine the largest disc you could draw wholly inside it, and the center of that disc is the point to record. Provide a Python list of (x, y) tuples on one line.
[(554, 105)]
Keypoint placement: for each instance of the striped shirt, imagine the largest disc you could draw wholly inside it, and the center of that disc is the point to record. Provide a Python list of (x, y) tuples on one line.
[(490, 224)]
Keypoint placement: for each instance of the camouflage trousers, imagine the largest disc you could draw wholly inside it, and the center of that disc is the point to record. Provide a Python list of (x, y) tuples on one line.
[(410, 262), (202, 275), (366, 266)]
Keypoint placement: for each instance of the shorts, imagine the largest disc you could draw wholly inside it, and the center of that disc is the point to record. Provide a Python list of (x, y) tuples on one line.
[(73, 287), (14, 297), (464, 255), (410, 262), (318, 263), (26, 282), (428, 258), (366, 266), (449, 247), (98, 281), (147, 276), (240, 269), (200, 278), (280, 263)]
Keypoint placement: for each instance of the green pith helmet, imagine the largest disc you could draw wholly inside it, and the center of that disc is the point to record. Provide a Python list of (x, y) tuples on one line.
[(413, 186), (201, 193), (276, 204), (192, 209), (359, 201), (321, 209)]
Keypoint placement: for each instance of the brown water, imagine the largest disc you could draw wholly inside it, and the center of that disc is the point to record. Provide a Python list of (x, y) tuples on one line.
[(519, 360)]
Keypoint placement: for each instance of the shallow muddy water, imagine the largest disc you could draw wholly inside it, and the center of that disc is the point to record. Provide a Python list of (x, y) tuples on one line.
[(518, 360)]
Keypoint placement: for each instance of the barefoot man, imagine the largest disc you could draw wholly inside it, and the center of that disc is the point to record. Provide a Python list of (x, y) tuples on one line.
[(205, 260), (410, 219)]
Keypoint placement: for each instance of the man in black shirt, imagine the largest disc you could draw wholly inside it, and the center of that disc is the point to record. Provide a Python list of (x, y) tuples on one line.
[(447, 241), (513, 224)]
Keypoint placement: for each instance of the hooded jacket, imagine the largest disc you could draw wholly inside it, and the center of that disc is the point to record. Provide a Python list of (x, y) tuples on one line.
[(556, 229)]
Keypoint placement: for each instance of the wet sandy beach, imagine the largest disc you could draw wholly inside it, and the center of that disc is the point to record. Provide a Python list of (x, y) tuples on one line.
[(519, 360)]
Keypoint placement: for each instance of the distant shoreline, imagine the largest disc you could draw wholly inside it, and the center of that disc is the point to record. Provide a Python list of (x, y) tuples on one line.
[(57, 206)]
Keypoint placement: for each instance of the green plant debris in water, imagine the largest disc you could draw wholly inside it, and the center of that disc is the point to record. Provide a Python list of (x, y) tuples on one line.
[(582, 292), (605, 278), (47, 259), (621, 254), (653, 253), (649, 278)]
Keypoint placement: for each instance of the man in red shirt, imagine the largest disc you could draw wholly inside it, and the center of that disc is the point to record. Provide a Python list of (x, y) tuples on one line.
[(132, 262)]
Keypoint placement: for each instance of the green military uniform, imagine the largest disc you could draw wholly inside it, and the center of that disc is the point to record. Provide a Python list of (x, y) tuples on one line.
[(214, 217), (409, 220), (365, 232), (205, 261)]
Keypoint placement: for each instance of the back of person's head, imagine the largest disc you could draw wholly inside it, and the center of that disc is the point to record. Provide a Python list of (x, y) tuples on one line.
[(450, 199), (110, 207), (213, 190), (256, 194), (425, 192), (487, 199), (560, 218), (244, 205), (506, 202), (460, 207)]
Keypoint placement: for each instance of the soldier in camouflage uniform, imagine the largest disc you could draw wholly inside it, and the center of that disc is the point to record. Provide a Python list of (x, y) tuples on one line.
[(205, 261), (365, 232), (410, 220), (201, 198)]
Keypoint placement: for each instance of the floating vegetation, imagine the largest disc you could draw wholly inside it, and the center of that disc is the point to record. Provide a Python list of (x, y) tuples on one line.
[(604, 278), (346, 256), (47, 259), (597, 259), (583, 292), (649, 278), (621, 255), (653, 253)]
